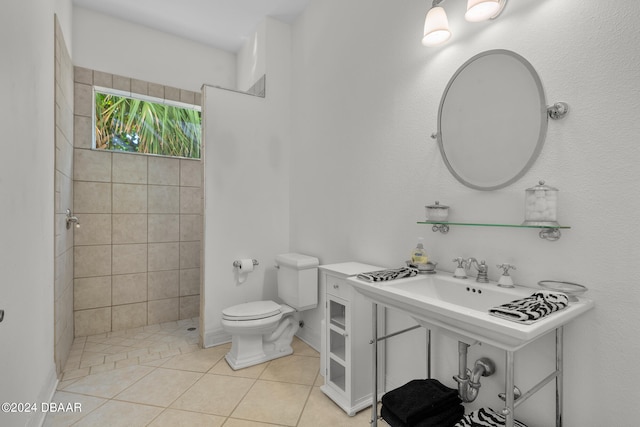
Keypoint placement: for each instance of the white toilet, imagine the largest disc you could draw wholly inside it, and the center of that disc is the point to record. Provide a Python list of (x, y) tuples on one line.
[(263, 330)]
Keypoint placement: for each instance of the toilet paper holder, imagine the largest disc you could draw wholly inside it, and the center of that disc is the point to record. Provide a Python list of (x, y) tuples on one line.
[(237, 263)]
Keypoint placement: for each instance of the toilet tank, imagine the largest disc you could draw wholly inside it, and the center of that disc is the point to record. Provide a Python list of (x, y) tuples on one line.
[(298, 280)]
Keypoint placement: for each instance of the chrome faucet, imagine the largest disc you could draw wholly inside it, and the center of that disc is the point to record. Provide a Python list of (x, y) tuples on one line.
[(70, 219), (482, 268)]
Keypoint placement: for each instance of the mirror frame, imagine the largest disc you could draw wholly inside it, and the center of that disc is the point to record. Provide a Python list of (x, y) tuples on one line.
[(543, 114)]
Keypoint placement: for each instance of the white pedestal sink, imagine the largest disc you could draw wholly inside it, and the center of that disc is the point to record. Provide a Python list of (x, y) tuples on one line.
[(460, 307)]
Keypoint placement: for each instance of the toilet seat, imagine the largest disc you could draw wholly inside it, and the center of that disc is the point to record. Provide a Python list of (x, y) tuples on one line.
[(252, 311)]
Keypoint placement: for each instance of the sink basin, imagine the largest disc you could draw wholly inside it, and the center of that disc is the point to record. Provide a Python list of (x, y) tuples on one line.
[(459, 307)]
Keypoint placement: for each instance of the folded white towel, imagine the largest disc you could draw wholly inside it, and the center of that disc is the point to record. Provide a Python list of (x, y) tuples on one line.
[(391, 274), (485, 417), (533, 308)]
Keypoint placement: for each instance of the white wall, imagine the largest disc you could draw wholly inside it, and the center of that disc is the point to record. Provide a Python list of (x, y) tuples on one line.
[(27, 193), (251, 58), (64, 12), (245, 199), (112, 45), (365, 100), (247, 144)]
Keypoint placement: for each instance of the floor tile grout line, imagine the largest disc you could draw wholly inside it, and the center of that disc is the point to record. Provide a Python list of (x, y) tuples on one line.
[(135, 382), (253, 421), (90, 412), (255, 380), (163, 407), (306, 402), (115, 399), (202, 374), (278, 382), (168, 407)]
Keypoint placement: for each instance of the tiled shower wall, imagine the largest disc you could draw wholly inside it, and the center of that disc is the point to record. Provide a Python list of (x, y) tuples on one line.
[(63, 286), (137, 251)]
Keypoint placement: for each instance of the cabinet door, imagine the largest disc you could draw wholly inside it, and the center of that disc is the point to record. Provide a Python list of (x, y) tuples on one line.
[(338, 344)]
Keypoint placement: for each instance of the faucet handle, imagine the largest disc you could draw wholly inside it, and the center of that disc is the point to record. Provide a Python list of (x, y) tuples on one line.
[(505, 280), (461, 269), (461, 262), (505, 268)]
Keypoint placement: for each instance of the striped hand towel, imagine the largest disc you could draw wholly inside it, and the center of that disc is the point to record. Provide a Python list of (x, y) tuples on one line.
[(531, 309), (391, 274)]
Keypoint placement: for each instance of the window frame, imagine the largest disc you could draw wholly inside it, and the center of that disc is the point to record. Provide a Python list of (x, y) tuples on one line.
[(145, 98)]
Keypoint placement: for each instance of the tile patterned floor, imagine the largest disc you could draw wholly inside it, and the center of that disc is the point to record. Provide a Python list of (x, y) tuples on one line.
[(158, 376)]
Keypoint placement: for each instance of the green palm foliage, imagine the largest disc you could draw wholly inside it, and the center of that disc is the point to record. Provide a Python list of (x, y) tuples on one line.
[(129, 124)]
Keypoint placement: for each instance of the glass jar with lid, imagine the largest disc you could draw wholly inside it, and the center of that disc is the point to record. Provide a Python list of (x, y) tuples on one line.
[(437, 212), (541, 205)]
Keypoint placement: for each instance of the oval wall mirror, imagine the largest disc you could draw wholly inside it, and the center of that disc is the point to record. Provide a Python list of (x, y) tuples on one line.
[(492, 120)]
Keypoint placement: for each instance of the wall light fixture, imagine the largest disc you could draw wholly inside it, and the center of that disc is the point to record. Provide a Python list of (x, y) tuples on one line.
[(436, 24)]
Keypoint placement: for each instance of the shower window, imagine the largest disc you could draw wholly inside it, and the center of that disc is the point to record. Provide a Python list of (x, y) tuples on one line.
[(141, 124)]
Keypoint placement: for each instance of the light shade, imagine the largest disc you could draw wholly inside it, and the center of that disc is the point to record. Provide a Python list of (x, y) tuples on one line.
[(481, 10), (436, 27)]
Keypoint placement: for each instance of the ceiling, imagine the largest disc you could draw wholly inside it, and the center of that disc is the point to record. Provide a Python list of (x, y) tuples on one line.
[(224, 24)]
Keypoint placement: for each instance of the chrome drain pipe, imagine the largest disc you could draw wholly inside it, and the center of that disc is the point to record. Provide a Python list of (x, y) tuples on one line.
[(468, 380)]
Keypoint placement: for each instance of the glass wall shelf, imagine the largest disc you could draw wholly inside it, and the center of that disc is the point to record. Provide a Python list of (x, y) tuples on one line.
[(548, 232)]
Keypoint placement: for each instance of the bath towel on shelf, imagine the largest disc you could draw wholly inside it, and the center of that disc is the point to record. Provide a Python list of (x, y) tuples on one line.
[(533, 308), (485, 417), (390, 274), (447, 418), (418, 400)]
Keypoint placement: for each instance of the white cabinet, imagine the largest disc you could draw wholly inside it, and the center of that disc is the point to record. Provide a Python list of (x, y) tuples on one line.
[(346, 349)]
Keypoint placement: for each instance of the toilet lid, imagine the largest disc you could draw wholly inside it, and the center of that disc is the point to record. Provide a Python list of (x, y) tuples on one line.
[(251, 310)]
